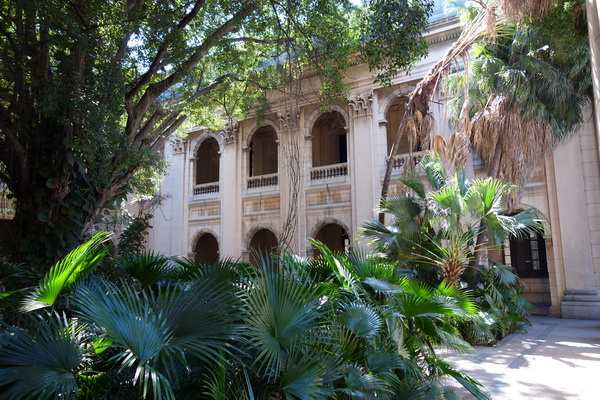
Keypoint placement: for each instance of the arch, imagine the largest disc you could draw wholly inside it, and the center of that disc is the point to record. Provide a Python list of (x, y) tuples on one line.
[(329, 140), (263, 242), (208, 158), (248, 133), (393, 116), (206, 248), (316, 114), (401, 91), (333, 234), (196, 142), (263, 151)]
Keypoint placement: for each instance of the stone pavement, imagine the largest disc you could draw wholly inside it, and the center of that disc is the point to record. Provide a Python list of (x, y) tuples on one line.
[(555, 359)]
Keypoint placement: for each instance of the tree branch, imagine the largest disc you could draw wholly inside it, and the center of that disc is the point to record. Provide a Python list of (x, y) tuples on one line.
[(136, 114), (157, 60)]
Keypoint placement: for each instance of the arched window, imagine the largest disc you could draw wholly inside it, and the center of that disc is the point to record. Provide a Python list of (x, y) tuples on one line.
[(329, 140), (333, 236), (263, 243), (207, 249), (263, 152), (207, 162), (394, 117)]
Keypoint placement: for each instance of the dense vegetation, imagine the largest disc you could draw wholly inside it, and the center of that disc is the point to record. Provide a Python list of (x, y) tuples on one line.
[(344, 326)]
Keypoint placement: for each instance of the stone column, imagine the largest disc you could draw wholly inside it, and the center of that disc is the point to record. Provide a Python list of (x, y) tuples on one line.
[(360, 160), (577, 210), (230, 177), (290, 177)]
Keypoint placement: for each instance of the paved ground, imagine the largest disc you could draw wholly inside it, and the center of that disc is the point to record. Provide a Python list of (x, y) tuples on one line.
[(555, 359)]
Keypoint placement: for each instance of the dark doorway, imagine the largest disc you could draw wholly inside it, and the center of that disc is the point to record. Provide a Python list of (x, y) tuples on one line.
[(528, 256), (207, 249), (263, 243), (333, 236)]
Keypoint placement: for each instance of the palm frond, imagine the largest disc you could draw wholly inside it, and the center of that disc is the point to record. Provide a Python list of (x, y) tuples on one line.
[(41, 359), (361, 319), (148, 268), (154, 335), (282, 312), (74, 266)]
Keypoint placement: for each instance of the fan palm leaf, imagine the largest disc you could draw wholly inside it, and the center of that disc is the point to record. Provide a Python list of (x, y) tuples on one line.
[(148, 268), (282, 312), (154, 335), (40, 360)]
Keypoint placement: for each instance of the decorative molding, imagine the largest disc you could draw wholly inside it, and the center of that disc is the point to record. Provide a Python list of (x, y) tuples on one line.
[(230, 132), (289, 119), (361, 104), (178, 144)]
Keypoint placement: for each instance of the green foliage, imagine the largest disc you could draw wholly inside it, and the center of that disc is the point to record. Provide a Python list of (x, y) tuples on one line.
[(93, 88), (435, 231), (40, 359), (75, 266), (542, 66), (343, 326), (392, 33), (133, 238)]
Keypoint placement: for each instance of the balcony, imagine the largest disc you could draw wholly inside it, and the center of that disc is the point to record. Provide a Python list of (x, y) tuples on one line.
[(328, 171), (399, 160), (261, 181), (206, 188)]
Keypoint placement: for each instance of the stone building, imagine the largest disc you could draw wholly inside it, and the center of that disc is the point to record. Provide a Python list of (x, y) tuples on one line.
[(302, 173)]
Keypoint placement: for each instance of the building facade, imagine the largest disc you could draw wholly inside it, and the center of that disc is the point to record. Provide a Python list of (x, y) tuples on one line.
[(303, 173)]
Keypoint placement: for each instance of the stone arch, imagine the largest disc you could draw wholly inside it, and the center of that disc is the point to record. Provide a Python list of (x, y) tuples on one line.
[(262, 147), (262, 239), (333, 233), (196, 142), (384, 105), (329, 139), (316, 114), (206, 246), (251, 130)]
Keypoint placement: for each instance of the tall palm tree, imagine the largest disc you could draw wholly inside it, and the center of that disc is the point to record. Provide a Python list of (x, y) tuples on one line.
[(539, 125)]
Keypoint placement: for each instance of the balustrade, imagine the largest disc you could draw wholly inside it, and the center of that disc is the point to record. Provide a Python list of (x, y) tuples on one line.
[(400, 159), (206, 188), (328, 171), (262, 181)]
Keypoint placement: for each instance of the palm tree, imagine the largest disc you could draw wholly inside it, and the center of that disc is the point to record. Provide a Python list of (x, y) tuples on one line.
[(524, 92), (535, 94), (439, 227)]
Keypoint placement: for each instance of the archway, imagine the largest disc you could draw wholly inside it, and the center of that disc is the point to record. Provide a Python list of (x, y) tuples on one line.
[(394, 116), (329, 145), (207, 249), (263, 152), (207, 162), (263, 243), (334, 237)]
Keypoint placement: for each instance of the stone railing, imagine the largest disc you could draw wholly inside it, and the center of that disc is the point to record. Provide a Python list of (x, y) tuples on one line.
[(400, 159), (262, 181), (328, 171), (206, 188)]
